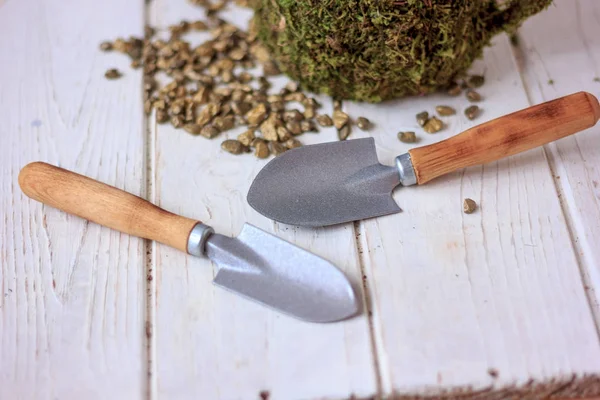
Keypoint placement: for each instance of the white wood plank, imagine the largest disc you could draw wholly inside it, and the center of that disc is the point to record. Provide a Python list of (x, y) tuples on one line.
[(72, 293), (563, 46), (213, 344), (455, 295)]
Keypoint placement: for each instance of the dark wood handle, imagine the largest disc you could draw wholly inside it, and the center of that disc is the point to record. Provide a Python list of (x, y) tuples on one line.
[(507, 135), (104, 204)]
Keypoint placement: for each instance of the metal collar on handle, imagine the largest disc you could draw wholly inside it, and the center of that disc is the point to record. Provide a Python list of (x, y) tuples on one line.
[(406, 170), (200, 233)]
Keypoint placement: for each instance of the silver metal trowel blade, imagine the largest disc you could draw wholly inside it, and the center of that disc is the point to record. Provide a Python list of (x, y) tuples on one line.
[(275, 273), (325, 184)]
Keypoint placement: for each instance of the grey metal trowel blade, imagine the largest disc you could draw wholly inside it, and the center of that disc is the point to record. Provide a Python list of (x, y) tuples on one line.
[(325, 184), (275, 273)]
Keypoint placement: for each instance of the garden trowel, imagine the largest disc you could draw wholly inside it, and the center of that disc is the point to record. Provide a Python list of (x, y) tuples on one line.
[(338, 182), (256, 265)]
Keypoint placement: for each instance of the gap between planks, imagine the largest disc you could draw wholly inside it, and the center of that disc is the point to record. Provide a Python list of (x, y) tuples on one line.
[(150, 264), (150, 246), (359, 231), (582, 263)]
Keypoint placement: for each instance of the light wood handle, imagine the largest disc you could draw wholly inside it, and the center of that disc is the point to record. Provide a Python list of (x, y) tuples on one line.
[(507, 135), (104, 204)]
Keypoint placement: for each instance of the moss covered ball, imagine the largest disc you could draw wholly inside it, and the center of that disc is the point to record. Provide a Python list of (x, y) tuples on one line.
[(373, 50)]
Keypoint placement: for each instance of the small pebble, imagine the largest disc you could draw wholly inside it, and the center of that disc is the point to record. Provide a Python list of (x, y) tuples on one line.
[(292, 86), (237, 54), (261, 149), (475, 81), (473, 96), (283, 134), (194, 129), (257, 114), (106, 46), (344, 132), (112, 74), (324, 120), (340, 119), (407, 137), (246, 138), (269, 130), (245, 77), (309, 112), (445, 111), (294, 127), (176, 108), (363, 123), (177, 121), (270, 69), (277, 148), (160, 105), (311, 102), (469, 206), (224, 123), (209, 132), (198, 26), (293, 115), (264, 395), (298, 96), (292, 143), (120, 45), (433, 125), (308, 126), (161, 116), (472, 112), (422, 118), (454, 90), (278, 106), (233, 146)]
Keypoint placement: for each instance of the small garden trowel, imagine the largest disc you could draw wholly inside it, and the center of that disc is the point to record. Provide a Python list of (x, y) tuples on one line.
[(338, 182), (256, 265)]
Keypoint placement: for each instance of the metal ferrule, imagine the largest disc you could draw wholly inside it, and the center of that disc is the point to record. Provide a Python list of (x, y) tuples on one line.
[(406, 170), (200, 233)]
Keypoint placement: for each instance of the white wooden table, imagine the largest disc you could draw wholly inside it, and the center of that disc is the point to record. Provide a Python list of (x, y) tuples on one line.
[(505, 300)]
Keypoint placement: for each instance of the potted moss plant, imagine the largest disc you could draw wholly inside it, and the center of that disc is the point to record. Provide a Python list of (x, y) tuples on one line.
[(373, 50)]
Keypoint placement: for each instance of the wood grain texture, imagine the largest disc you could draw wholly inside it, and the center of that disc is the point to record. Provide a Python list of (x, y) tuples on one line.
[(104, 204), (71, 293), (559, 54), (507, 135), (457, 295), (453, 296), (212, 344)]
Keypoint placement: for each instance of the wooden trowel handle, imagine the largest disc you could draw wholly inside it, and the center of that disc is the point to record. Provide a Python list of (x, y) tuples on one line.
[(104, 204), (508, 135)]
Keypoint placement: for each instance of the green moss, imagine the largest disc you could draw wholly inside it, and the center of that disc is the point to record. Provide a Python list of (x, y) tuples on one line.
[(373, 50)]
